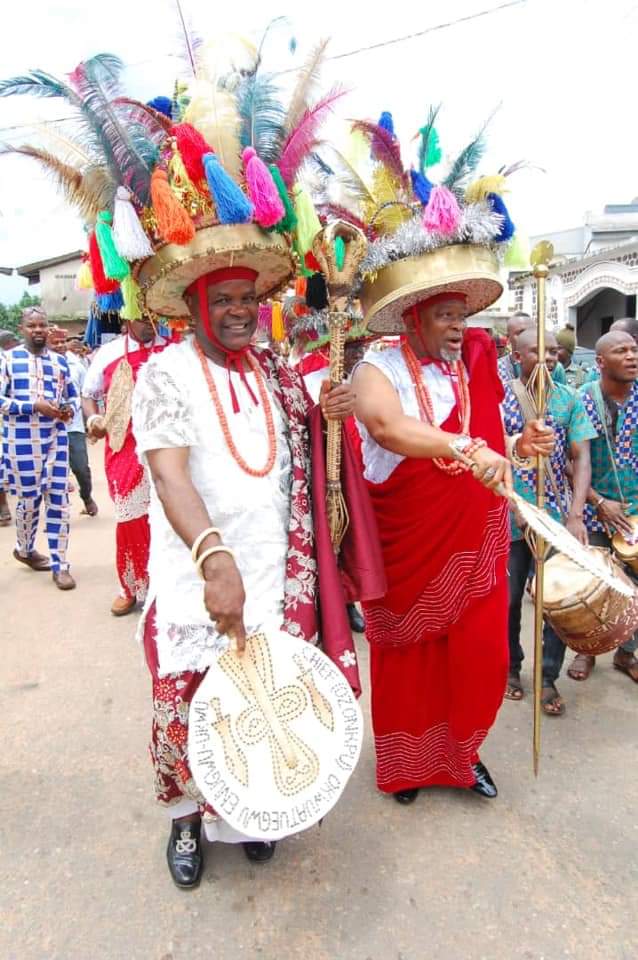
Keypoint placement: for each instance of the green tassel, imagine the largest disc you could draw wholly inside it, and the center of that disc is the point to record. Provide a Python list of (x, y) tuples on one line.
[(308, 225), (340, 253), (115, 267), (434, 152), (289, 221), (130, 290)]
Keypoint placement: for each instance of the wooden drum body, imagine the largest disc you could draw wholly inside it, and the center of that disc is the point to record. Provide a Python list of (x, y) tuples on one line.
[(587, 614)]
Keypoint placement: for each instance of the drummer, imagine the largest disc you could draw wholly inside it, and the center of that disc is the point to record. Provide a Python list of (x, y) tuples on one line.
[(572, 432), (612, 406)]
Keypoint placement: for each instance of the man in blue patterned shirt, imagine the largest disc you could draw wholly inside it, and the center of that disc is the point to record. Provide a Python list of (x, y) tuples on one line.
[(37, 398), (572, 432), (612, 406)]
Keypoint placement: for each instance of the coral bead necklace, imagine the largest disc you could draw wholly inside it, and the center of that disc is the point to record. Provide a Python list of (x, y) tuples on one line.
[(223, 419)]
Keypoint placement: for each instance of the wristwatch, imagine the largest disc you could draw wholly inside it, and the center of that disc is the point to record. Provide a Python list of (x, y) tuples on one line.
[(460, 444)]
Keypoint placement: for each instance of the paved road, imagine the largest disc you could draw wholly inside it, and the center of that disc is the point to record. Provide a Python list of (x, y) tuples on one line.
[(546, 871)]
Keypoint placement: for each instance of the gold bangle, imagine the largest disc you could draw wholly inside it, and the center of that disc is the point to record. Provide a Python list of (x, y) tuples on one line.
[(200, 539), (210, 553)]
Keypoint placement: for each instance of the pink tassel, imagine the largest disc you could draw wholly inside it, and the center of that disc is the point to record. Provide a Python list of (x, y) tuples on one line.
[(264, 317), (442, 213), (262, 190)]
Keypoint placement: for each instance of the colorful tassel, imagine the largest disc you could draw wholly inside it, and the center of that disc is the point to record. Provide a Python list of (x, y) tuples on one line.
[(479, 189), (340, 253), (84, 280), (162, 105), (131, 309), (421, 186), (311, 263), (115, 267), (233, 206), (517, 253), (277, 325), (386, 122), (442, 214), (308, 225), (128, 234), (192, 149), (289, 221), (101, 284), (262, 190), (507, 227), (110, 302), (301, 287), (264, 317), (173, 221)]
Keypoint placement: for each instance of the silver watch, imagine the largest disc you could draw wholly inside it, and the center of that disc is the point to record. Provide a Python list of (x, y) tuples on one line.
[(459, 445)]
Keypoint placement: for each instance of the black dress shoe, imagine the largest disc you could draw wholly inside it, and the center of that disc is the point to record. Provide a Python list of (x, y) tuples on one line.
[(356, 621), (184, 852), (484, 783), (258, 851), (406, 796)]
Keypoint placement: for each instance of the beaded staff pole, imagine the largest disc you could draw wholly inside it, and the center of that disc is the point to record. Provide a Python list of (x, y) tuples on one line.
[(339, 249), (539, 382)]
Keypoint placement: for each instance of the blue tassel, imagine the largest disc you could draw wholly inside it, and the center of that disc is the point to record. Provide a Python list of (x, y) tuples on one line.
[(421, 186), (162, 105), (110, 301), (507, 230), (386, 122), (233, 206)]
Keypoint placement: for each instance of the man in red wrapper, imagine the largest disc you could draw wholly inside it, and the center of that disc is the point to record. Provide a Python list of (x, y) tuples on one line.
[(428, 411), (110, 379)]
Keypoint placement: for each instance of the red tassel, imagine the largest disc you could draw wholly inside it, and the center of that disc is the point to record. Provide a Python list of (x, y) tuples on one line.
[(192, 147), (173, 221), (101, 284), (311, 262)]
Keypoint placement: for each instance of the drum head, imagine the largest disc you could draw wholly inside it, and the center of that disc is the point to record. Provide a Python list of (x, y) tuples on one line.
[(564, 578), (274, 736)]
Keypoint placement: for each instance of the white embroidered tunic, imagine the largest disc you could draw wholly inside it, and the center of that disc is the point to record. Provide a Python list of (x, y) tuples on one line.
[(380, 463), (172, 407)]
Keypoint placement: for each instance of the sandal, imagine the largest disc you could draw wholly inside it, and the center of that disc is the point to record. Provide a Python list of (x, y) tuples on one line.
[(581, 666), (5, 518), (514, 689), (627, 664), (552, 702)]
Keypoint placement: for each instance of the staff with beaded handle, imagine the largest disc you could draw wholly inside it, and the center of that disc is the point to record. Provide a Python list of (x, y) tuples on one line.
[(339, 249)]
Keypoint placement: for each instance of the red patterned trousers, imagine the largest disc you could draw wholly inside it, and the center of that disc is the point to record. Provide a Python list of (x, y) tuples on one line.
[(132, 543)]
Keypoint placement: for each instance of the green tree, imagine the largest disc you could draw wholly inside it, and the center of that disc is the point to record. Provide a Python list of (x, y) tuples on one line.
[(10, 316)]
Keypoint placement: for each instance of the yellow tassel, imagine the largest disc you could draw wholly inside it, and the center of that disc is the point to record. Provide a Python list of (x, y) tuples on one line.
[(131, 309), (84, 280), (277, 323), (479, 189), (308, 225)]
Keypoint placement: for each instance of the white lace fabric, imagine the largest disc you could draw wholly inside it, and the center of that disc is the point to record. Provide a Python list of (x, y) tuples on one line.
[(172, 407), (379, 464)]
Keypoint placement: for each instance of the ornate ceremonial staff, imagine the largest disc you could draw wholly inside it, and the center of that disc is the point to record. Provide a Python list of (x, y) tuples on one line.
[(339, 249), (538, 388)]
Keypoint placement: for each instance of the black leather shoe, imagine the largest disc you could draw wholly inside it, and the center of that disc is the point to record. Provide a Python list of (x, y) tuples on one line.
[(406, 796), (258, 851), (356, 621), (484, 783), (184, 852)]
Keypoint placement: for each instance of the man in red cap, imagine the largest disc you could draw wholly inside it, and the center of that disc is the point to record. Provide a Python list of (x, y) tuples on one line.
[(433, 450), (224, 428)]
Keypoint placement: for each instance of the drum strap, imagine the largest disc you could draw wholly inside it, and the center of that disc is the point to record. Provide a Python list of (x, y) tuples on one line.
[(529, 413)]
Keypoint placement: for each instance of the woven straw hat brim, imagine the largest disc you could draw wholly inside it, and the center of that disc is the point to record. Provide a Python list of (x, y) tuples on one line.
[(459, 268), (164, 277)]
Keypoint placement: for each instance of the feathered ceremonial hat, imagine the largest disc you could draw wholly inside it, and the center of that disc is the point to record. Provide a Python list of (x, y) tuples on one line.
[(426, 234), (180, 187)]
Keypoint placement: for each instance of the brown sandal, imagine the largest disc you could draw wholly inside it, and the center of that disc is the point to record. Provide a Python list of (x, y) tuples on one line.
[(552, 702), (581, 666), (627, 664), (34, 560), (514, 689)]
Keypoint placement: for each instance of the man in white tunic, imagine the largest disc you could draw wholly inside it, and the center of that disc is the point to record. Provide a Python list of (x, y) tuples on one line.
[(223, 429)]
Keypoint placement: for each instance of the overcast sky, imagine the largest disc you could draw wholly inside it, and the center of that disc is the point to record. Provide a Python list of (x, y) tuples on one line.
[(563, 70)]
